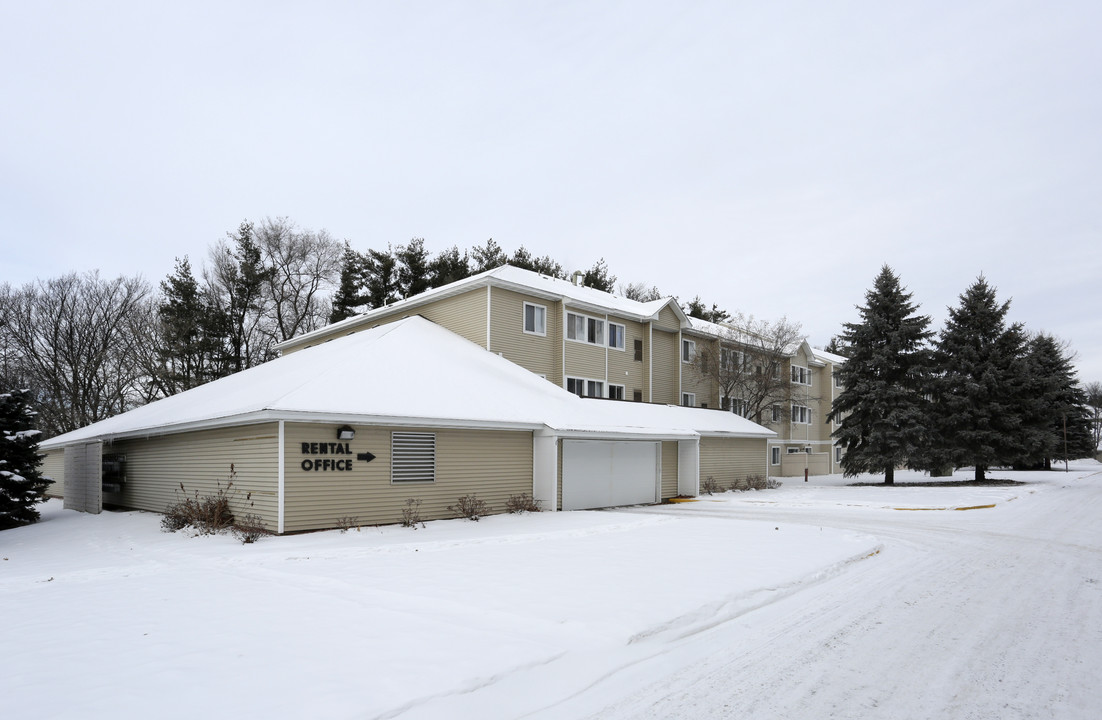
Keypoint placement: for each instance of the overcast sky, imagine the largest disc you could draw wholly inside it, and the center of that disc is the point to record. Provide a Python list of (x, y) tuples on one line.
[(768, 156)]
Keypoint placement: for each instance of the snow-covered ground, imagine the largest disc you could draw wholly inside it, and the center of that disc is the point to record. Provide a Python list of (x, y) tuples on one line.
[(813, 600)]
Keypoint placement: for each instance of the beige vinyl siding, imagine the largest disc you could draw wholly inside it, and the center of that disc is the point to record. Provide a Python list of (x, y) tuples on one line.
[(667, 365), (669, 469), (585, 361), (53, 466), (694, 381), (155, 468), (492, 464), (463, 314), (532, 352), (730, 460), (668, 319), (623, 368)]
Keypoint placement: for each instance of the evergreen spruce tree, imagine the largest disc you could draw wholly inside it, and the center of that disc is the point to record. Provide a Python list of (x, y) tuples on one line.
[(22, 485), (882, 409), (1057, 419), (543, 265), (981, 393)]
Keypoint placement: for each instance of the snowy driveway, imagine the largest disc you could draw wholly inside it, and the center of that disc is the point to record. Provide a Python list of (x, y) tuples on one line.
[(810, 601)]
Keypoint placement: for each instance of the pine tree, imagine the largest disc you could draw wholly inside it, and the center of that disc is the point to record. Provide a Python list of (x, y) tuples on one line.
[(413, 268), (542, 265), (597, 277), (981, 392), (381, 278), (488, 256), (349, 295), (22, 485), (190, 345), (882, 409), (448, 267)]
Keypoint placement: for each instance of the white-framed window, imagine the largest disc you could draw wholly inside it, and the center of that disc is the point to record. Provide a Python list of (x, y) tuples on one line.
[(616, 335), (837, 453), (582, 328), (535, 319), (688, 351), (837, 380), (775, 413), (731, 360), (688, 399), (584, 387), (775, 455), (616, 392), (412, 457), (735, 405), (801, 375), (801, 414)]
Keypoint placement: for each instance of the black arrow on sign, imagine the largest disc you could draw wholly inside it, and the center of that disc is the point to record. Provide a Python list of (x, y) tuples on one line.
[(366, 457)]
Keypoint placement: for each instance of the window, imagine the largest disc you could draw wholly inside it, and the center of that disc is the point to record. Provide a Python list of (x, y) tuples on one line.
[(688, 399), (616, 335), (688, 351), (801, 414), (775, 455), (731, 360), (793, 450), (801, 375), (412, 457), (738, 407), (775, 413), (585, 388), (639, 350), (616, 392), (837, 453), (535, 319), (585, 329), (637, 396), (837, 379)]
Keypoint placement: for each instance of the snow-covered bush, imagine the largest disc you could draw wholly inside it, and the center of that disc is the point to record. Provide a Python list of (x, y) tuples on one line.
[(22, 485)]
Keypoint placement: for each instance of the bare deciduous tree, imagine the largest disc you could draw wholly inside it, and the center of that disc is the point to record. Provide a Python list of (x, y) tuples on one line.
[(748, 364), (303, 268), (72, 341)]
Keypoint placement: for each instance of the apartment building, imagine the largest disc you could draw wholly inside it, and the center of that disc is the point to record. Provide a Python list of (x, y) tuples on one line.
[(599, 345)]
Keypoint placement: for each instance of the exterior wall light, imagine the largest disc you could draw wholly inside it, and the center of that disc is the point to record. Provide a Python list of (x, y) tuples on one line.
[(345, 432)]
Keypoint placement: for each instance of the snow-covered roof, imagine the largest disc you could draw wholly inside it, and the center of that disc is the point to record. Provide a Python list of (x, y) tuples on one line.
[(513, 278), (828, 357), (410, 372)]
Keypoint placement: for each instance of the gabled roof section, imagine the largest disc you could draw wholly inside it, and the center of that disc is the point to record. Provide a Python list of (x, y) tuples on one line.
[(825, 356), (409, 372), (510, 278)]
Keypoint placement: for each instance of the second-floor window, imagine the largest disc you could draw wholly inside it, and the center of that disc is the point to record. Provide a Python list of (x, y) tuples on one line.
[(688, 399), (801, 414), (688, 351), (801, 375), (583, 328), (535, 319)]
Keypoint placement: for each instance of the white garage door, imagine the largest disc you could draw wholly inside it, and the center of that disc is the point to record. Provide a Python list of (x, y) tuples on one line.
[(598, 474)]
